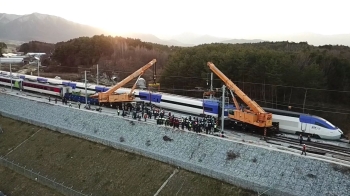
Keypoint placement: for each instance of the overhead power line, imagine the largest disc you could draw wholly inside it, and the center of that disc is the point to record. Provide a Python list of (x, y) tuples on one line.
[(204, 79), (309, 108), (295, 105)]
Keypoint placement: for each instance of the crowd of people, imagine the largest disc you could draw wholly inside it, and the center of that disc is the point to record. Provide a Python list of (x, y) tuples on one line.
[(207, 124), (140, 111)]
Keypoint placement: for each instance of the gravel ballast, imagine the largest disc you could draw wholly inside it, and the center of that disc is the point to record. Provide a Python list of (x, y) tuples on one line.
[(251, 167)]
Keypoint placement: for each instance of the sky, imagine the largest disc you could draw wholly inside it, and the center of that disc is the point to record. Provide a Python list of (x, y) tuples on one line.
[(222, 18)]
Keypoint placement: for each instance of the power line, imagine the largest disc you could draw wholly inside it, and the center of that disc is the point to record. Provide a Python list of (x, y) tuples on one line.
[(275, 103), (306, 108), (309, 108), (204, 79), (268, 84)]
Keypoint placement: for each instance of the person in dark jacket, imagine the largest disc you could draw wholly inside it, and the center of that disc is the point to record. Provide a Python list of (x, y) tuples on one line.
[(308, 138)]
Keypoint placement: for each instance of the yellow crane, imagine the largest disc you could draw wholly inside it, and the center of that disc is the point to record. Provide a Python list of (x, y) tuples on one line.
[(254, 115), (110, 96)]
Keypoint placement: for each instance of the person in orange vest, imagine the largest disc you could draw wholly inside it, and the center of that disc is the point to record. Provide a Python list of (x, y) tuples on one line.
[(303, 151)]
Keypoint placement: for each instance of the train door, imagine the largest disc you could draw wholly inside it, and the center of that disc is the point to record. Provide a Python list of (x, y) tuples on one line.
[(303, 127), (65, 90), (20, 85)]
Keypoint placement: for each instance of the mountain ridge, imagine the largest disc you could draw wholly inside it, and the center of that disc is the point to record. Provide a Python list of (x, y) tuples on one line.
[(42, 27), (48, 28), (52, 29)]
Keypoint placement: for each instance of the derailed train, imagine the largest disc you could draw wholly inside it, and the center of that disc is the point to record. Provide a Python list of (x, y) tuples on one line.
[(289, 122)]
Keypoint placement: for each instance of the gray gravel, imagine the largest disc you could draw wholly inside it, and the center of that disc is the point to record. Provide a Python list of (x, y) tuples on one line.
[(249, 166)]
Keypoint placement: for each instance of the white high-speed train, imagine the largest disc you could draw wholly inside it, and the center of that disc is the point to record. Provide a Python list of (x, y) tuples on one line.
[(289, 122)]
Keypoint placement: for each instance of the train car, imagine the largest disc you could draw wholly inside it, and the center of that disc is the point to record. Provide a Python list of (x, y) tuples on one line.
[(99, 89), (81, 99), (6, 81), (2, 73), (70, 84), (54, 81), (31, 78), (42, 88), (164, 100), (177, 103), (299, 123), (80, 87), (42, 80), (82, 91), (289, 122)]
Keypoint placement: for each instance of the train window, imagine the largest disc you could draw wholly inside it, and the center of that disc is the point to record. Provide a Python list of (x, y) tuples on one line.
[(320, 124)]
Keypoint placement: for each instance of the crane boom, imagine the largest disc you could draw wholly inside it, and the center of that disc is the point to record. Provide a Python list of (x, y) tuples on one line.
[(256, 115), (109, 95)]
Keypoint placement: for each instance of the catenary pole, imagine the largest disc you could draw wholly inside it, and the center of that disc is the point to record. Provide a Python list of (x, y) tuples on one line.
[(11, 75), (211, 85), (85, 89), (97, 75), (223, 108)]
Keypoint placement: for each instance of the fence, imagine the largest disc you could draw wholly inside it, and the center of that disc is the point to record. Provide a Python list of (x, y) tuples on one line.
[(60, 187), (217, 174)]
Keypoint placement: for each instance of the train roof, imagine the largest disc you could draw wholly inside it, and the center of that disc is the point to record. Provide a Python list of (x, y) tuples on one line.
[(290, 113), (284, 112), (181, 96), (54, 81), (13, 78), (296, 114)]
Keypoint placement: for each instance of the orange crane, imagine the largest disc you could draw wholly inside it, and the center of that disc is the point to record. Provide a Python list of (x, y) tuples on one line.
[(111, 97), (255, 115)]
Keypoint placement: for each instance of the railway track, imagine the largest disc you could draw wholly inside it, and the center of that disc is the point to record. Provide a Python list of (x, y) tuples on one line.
[(313, 147)]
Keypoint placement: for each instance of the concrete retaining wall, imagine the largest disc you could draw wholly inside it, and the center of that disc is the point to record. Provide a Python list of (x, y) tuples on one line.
[(253, 168)]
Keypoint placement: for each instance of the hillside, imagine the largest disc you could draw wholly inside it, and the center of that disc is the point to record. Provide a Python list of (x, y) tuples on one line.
[(154, 39), (42, 27), (52, 29)]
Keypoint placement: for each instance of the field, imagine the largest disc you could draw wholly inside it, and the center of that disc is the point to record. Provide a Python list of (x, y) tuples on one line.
[(94, 168), (16, 184)]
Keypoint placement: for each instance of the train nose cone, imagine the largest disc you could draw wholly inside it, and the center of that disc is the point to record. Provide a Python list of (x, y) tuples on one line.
[(340, 131)]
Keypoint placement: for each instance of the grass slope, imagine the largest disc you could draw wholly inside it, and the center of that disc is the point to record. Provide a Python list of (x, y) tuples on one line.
[(98, 169)]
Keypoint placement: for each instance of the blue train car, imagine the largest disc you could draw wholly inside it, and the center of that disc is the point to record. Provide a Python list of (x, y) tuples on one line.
[(81, 99)]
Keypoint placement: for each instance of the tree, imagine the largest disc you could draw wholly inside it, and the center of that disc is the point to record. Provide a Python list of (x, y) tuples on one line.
[(252, 66), (2, 47)]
